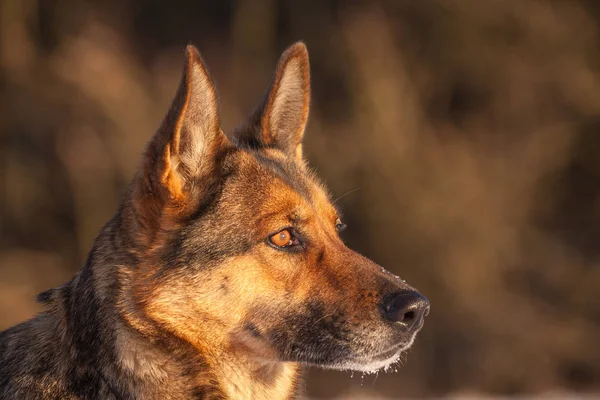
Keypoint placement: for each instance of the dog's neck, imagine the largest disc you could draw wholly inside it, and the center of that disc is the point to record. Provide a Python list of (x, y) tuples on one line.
[(252, 380), (233, 377), (156, 360), (130, 357)]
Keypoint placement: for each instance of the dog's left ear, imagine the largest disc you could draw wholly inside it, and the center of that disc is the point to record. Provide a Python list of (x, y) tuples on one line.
[(280, 121)]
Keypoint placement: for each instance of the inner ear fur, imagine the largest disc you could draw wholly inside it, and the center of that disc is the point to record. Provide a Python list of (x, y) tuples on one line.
[(281, 119)]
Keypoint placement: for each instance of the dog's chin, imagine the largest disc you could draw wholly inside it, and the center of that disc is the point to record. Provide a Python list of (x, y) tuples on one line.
[(375, 362), (371, 365)]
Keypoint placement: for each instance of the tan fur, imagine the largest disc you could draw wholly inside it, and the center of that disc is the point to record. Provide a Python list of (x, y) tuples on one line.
[(186, 295)]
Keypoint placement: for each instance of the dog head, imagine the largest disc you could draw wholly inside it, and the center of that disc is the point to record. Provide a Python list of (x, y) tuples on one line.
[(239, 243)]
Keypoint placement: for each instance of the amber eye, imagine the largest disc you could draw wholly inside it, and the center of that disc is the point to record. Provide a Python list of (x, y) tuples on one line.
[(283, 238)]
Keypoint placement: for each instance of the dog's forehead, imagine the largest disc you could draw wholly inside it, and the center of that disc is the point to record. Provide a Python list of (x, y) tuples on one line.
[(285, 178)]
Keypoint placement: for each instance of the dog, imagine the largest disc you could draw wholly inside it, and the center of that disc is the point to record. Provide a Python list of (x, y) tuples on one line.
[(221, 276)]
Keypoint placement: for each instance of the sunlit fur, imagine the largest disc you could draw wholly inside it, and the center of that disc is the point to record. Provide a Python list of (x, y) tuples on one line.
[(183, 295)]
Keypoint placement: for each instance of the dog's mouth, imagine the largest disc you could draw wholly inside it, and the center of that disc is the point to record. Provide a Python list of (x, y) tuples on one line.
[(372, 361), (380, 360)]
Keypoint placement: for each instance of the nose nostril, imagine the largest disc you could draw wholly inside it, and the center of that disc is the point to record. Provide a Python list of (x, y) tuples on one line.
[(409, 316), (407, 308)]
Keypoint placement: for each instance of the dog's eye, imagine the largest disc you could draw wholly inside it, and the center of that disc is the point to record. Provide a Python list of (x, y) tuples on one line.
[(339, 225), (284, 239)]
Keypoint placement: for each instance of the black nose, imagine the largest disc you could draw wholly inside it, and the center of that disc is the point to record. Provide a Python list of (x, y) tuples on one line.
[(408, 308)]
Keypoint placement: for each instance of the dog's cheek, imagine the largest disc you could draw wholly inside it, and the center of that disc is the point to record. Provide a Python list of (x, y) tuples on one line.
[(239, 286), (307, 335)]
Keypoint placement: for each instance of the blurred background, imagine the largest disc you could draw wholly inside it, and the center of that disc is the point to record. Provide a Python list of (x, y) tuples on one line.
[(462, 135)]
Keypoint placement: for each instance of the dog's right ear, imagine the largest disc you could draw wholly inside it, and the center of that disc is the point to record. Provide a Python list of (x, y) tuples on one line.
[(179, 167)]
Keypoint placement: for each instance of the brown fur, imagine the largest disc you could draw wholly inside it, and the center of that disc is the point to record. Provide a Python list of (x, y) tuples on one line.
[(183, 294)]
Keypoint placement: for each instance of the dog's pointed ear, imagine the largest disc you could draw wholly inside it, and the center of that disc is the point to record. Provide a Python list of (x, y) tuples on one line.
[(180, 163), (281, 120)]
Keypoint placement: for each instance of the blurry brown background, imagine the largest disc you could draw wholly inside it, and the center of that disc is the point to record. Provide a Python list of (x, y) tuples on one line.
[(467, 131)]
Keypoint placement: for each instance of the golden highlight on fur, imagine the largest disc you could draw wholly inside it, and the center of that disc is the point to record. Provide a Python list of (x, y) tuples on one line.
[(221, 276)]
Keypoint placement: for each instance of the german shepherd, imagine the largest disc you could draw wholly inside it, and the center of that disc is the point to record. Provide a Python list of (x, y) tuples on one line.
[(222, 274)]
